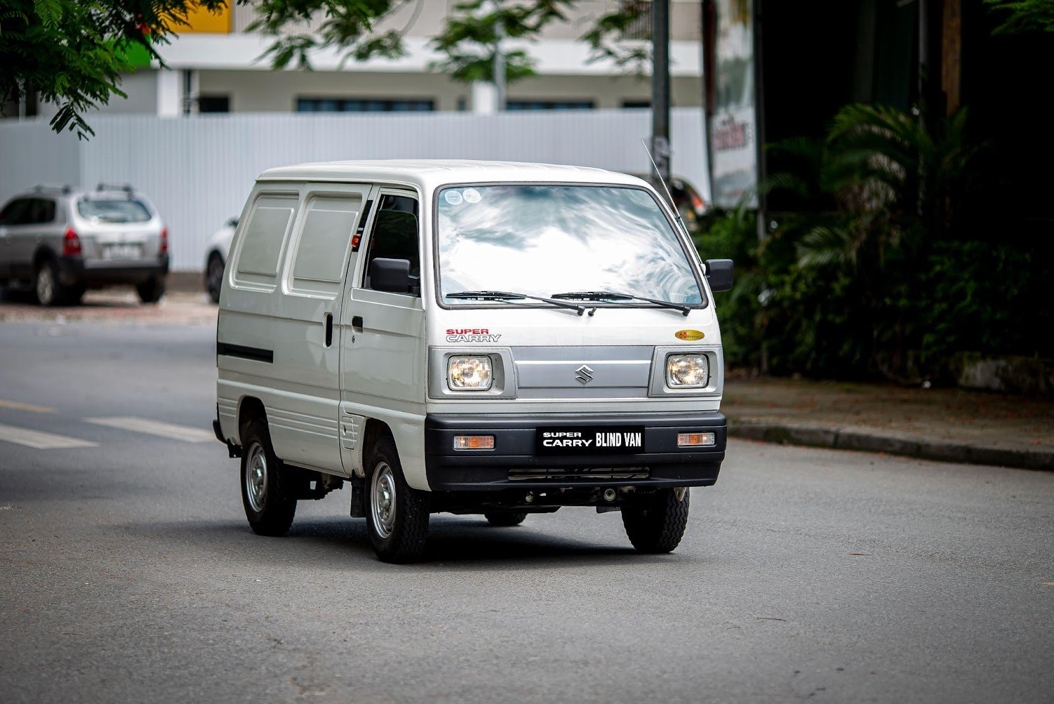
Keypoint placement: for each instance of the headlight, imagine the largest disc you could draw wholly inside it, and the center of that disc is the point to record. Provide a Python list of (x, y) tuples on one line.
[(687, 371), (469, 374)]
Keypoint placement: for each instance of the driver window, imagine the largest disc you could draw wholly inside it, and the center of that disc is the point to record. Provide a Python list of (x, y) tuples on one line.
[(394, 234)]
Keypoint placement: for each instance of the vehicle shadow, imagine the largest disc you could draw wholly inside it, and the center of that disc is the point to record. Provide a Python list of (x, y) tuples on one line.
[(338, 543)]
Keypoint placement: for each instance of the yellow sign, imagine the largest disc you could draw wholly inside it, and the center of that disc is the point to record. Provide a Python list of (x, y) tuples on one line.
[(689, 335)]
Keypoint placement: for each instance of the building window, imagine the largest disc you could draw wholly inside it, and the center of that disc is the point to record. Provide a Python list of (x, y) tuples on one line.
[(214, 103), (636, 104), (364, 105), (549, 105)]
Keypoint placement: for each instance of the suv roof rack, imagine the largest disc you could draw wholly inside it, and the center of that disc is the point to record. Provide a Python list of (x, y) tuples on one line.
[(111, 187), (63, 188)]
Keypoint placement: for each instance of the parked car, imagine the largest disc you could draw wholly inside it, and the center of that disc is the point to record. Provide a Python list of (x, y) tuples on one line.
[(216, 251), (61, 240), (686, 198)]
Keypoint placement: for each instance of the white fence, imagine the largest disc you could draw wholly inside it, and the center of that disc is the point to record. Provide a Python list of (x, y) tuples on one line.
[(199, 170)]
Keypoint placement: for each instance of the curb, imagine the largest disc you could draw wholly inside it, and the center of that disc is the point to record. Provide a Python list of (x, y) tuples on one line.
[(848, 439), (185, 281)]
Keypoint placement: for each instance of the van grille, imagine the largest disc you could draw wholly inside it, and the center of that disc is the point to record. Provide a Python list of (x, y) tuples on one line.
[(593, 372), (579, 475)]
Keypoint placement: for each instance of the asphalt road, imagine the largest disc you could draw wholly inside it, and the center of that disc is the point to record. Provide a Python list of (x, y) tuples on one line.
[(130, 575)]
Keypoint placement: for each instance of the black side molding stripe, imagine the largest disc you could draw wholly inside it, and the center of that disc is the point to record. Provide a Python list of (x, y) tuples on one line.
[(254, 353)]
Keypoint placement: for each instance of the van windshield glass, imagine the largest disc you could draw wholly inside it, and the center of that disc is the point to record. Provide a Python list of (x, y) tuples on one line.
[(113, 210), (544, 240)]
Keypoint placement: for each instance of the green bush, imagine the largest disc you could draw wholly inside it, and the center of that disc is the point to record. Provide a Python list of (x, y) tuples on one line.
[(888, 260)]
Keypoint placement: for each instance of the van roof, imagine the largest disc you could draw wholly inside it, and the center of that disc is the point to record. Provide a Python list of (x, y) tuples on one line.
[(432, 173)]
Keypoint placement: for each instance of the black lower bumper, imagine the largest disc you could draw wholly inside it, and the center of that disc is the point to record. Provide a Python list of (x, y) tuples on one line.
[(517, 462), (74, 270)]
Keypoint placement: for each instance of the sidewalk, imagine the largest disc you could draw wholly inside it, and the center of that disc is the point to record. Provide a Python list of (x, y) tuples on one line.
[(951, 425)]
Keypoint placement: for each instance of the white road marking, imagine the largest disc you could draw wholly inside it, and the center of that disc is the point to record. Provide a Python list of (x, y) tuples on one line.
[(39, 440), (25, 407), (155, 427)]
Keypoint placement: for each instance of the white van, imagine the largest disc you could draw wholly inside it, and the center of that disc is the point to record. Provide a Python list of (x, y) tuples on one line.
[(468, 337)]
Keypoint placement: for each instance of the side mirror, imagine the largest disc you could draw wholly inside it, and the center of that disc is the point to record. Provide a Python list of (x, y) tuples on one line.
[(720, 273), (391, 275)]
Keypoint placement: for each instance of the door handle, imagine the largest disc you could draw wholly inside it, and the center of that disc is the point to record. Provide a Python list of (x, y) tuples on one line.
[(356, 323), (329, 329)]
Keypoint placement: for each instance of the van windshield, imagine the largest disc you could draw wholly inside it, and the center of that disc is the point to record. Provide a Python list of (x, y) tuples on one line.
[(548, 240)]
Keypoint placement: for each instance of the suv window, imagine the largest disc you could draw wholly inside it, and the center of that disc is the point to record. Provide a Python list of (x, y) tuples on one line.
[(113, 210), (28, 211), (395, 233), (13, 212), (41, 211)]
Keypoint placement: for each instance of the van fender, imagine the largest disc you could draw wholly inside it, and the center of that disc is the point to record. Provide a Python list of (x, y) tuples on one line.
[(406, 429)]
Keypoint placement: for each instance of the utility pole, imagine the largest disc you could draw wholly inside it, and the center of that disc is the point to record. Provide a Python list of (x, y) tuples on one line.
[(499, 61), (660, 86)]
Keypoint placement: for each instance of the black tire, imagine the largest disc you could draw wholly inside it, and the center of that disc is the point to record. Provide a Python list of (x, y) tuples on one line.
[(47, 288), (214, 277), (151, 290), (655, 522), (505, 519), (267, 487), (74, 294), (396, 515)]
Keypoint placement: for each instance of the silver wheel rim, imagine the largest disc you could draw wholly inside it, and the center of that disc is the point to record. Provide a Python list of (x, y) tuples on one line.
[(45, 285), (382, 500), (256, 478)]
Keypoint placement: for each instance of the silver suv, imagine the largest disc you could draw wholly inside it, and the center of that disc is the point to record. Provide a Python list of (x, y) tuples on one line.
[(63, 240)]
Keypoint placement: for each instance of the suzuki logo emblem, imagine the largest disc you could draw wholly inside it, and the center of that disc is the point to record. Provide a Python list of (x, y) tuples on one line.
[(584, 374)]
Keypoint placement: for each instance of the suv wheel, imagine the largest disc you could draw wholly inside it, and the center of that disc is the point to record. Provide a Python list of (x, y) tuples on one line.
[(46, 285), (214, 277), (151, 290)]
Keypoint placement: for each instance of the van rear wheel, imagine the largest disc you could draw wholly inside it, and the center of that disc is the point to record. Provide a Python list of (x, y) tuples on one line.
[(505, 519), (267, 492), (396, 514), (655, 522)]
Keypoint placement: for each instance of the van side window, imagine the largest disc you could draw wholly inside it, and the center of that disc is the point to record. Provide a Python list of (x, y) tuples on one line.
[(262, 242), (394, 234), (325, 237)]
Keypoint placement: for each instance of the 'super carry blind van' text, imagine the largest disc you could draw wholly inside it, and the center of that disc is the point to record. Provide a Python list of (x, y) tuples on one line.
[(468, 337)]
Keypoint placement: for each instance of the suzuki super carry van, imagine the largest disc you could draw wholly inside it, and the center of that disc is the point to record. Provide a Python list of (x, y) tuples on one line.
[(488, 338)]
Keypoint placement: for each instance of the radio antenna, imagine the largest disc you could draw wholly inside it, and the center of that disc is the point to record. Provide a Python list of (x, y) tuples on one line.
[(666, 188)]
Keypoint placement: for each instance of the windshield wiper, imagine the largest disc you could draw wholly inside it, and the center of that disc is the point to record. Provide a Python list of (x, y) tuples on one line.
[(612, 296), (509, 296)]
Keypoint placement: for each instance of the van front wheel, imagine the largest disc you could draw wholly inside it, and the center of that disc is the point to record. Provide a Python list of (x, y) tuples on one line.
[(396, 514), (267, 495), (655, 522)]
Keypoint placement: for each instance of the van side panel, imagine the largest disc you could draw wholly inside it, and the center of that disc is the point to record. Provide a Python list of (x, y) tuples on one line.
[(245, 326), (304, 427)]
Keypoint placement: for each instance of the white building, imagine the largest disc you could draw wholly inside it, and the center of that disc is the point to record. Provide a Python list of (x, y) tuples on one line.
[(197, 168), (216, 66)]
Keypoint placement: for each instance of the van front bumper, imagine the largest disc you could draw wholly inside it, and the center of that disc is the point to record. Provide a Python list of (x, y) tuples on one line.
[(519, 462)]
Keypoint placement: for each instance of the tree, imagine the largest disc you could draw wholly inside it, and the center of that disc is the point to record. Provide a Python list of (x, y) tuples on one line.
[(1024, 15), (73, 52)]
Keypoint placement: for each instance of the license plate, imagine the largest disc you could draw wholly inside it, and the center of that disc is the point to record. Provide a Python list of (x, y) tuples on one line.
[(589, 440), (122, 251)]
